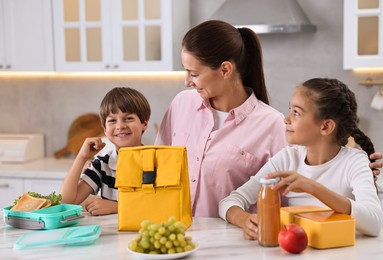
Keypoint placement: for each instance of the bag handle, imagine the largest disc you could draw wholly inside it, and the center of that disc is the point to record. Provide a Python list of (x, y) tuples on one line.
[(148, 167)]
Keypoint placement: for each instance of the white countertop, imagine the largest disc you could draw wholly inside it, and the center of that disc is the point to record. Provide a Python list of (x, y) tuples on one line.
[(216, 239), (40, 168)]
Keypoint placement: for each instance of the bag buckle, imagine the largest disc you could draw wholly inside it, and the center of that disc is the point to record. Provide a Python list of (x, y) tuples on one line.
[(148, 177)]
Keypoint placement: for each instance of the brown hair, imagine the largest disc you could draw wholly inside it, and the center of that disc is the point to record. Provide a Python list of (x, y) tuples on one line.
[(334, 100), (127, 100), (213, 42)]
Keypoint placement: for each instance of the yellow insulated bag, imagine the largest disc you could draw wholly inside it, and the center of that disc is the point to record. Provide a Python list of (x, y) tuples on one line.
[(153, 184)]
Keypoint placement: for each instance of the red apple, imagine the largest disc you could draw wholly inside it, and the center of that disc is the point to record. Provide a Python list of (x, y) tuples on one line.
[(292, 238)]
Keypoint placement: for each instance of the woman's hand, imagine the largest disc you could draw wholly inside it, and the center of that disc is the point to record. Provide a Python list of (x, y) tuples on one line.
[(292, 181), (98, 206), (375, 166)]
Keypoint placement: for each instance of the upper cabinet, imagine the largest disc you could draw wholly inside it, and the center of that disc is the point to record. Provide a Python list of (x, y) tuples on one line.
[(363, 34), (119, 35), (26, 41)]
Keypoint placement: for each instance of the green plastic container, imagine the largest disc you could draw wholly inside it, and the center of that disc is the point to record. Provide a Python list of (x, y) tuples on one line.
[(58, 216), (71, 236)]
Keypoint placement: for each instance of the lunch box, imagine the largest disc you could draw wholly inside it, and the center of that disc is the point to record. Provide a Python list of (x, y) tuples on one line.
[(53, 217)]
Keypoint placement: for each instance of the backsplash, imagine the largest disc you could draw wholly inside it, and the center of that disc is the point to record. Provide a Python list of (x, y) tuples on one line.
[(49, 104)]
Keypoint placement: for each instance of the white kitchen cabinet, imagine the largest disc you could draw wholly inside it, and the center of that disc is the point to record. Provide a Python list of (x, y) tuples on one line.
[(41, 175), (119, 35), (10, 189), (26, 39), (363, 34)]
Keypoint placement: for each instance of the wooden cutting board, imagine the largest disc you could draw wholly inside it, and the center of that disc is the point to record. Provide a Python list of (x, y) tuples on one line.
[(87, 125)]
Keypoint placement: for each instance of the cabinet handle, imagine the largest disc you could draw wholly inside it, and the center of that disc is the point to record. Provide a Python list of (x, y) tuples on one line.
[(8, 66), (4, 185), (115, 66), (107, 66), (1, 66)]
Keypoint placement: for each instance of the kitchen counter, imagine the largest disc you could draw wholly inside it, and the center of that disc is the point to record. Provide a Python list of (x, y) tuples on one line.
[(216, 239), (40, 168)]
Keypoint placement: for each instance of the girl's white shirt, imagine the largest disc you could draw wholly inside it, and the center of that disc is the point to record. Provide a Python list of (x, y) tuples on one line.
[(348, 174)]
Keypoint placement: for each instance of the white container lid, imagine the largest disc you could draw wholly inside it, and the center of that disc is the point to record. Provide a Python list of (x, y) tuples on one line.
[(270, 181)]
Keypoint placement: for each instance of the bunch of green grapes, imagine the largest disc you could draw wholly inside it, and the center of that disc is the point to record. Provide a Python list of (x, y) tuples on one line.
[(165, 238)]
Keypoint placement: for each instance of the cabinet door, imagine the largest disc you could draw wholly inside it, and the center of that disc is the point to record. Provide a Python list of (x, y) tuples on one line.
[(142, 35), (2, 36), (42, 186), (363, 31), (10, 189), (119, 35), (26, 35), (82, 36)]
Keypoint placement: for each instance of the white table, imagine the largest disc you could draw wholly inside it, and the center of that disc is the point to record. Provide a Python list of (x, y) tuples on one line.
[(217, 240)]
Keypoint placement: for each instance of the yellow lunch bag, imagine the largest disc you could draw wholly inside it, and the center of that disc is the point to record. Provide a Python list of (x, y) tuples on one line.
[(153, 184)]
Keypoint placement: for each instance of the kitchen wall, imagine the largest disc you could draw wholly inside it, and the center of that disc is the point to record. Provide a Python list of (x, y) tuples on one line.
[(49, 103)]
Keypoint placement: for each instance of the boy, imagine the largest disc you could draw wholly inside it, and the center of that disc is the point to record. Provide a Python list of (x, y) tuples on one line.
[(124, 115)]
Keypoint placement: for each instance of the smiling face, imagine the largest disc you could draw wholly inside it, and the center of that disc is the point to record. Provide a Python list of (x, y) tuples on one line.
[(302, 127), (124, 129), (208, 82)]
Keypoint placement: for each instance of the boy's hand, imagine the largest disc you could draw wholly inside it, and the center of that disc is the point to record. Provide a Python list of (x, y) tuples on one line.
[(90, 147), (98, 206)]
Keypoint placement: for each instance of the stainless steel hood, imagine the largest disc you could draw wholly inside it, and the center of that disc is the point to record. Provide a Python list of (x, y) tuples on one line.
[(265, 16)]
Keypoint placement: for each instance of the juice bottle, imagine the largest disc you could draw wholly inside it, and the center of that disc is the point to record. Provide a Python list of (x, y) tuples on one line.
[(268, 205)]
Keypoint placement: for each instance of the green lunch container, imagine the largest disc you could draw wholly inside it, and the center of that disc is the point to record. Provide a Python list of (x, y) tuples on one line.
[(53, 217)]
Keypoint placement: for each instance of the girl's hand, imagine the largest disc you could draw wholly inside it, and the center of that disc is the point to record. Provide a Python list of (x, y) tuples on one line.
[(250, 229), (98, 206), (375, 166), (292, 181), (246, 221), (90, 147)]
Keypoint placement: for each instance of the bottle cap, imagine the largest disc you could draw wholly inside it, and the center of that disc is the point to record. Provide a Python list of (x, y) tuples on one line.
[(270, 181)]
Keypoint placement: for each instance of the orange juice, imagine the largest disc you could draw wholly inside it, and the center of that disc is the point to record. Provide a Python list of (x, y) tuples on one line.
[(268, 204)]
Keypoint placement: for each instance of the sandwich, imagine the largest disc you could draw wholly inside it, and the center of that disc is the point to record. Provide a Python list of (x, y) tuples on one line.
[(31, 201)]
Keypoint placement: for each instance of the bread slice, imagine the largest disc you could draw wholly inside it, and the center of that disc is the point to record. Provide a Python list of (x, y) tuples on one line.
[(28, 203), (46, 204)]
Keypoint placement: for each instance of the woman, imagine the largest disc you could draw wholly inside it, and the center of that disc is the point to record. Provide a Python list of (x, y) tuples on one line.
[(225, 122)]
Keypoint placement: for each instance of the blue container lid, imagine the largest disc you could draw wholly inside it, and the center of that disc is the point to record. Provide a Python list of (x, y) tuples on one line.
[(74, 236)]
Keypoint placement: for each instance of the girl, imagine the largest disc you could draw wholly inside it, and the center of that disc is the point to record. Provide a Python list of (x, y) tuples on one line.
[(318, 169)]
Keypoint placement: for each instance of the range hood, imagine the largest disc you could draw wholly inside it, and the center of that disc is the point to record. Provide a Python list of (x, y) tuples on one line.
[(265, 16)]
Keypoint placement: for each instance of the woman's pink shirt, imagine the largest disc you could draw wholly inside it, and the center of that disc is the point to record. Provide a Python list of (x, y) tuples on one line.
[(220, 161)]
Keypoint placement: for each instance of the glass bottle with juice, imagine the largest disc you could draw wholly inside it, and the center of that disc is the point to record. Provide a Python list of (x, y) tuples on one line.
[(268, 205)]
